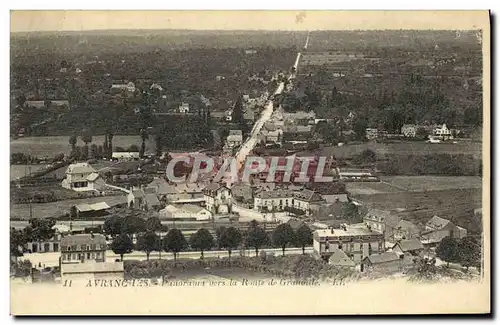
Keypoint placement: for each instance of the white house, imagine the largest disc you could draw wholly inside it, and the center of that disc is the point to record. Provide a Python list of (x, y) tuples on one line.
[(125, 156), (128, 87), (185, 212), (184, 108), (234, 139), (82, 177), (273, 200), (217, 198), (443, 132)]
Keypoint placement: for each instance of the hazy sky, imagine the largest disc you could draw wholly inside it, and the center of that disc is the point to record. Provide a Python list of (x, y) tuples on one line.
[(27, 21)]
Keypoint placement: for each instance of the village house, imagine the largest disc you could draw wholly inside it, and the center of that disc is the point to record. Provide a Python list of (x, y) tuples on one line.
[(125, 156), (437, 223), (304, 199), (442, 132), (274, 200), (386, 262), (382, 221), (339, 258), (48, 103), (409, 130), (406, 230), (371, 134), (410, 247), (184, 108), (187, 193), (45, 246), (234, 139), (143, 199), (357, 241), (242, 194), (84, 256), (185, 212), (437, 228), (218, 198), (130, 87), (82, 177)]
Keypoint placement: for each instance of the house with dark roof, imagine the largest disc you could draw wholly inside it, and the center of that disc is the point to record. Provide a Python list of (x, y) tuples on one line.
[(410, 247), (382, 262), (218, 198), (442, 225), (382, 221), (340, 258), (83, 248), (242, 193), (304, 198), (406, 230)]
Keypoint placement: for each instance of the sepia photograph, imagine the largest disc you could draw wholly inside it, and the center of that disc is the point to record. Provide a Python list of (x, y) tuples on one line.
[(249, 162)]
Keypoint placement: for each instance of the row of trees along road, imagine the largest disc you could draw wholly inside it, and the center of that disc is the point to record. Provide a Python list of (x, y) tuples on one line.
[(228, 238), (37, 230)]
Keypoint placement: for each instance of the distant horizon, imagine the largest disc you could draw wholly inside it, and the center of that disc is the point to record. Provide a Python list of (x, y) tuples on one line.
[(25, 21)]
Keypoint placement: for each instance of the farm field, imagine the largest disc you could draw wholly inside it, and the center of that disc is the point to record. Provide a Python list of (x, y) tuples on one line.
[(18, 171), (419, 207), (425, 183), (367, 188), (51, 146), (406, 148), (56, 209)]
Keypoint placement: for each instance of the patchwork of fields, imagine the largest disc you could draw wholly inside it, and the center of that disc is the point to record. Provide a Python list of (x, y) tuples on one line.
[(406, 148), (51, 146), (56, 209)]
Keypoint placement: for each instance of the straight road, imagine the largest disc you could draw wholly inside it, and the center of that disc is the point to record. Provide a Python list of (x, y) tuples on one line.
[(52, 259), (266, 114)]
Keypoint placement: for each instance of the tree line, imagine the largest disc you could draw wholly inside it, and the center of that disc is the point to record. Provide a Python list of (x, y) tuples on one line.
[(227, 238)]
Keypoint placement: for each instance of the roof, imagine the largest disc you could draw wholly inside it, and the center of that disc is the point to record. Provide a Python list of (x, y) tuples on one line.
[(242, 190), (307, 195), (90, 267), (191, 208), (383, 257), (432, 237), (99, 206), (83, 239), (80, 168), (407, 225), (84, 207), (235, 138), (339, 258), (92, 177), (152, 200), (138, 193), (351, 230), (235, 132), (437, 222), (125, 155), (409, 245), (334, 197), (274, 194)]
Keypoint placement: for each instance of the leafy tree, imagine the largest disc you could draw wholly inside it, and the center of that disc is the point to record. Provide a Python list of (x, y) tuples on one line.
[(367, 156), (469, 252), (304, 237), (447, 250), (122, 244), (73, 212), (133, 225), (283, 235), (40, 229), (175, 242), (86, 137), (84, 155), (113, 225), (133, 148), (202, 240), (72, 142), (359, 128), (147, 242), (110, 145), (153, 224), (94, 151), (426, 268), (328, 132), (237, 115), (230, 239), (17, 242), (159, 146), (256, 237), (144, 137), (350, 211), (218, 234)]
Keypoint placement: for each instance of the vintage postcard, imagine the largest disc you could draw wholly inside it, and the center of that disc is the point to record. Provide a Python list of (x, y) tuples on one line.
[(249, 162)]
